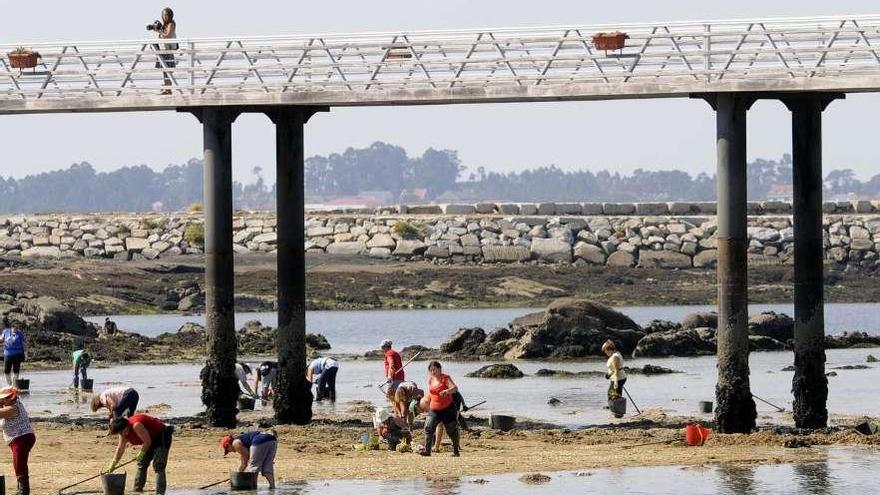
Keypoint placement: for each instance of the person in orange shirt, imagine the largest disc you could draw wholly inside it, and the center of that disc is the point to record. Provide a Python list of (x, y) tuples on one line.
[(441, 390)]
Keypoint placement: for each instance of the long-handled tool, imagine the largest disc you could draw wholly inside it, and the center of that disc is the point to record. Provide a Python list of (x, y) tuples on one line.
[(213, 484), (778, 409), (95, 476), (402, 367), (478, 404), (631, 400)]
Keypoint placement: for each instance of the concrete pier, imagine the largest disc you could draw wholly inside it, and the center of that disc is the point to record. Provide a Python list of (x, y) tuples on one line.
[(219, 386), (293, 399), (735, 410), (809, 385)]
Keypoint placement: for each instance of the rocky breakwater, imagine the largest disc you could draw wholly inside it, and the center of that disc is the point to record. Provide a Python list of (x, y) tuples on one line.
[(576, 328), (568, 328)]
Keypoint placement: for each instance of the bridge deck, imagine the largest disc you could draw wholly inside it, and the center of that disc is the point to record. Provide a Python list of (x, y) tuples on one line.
[(659, 60)]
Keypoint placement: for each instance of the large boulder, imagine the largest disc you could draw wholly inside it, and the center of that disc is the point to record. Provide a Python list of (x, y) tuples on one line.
[(571, 328), (764, 343), (663, 259), (53, 316), (686, 342), (700, 320), (551, 249), (503, 370), (465, 341), (774, 325)]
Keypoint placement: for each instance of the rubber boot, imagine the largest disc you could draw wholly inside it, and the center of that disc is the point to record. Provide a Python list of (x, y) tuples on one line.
[(24, 486), (140, 479), (160, 482), (429, 443), (455, 436)]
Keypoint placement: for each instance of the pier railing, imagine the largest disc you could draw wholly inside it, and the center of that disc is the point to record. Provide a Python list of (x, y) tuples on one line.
[(562, 62)]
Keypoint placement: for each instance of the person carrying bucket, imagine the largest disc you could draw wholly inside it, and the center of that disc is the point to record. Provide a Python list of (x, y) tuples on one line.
[(81, 361), (256, 450), (615, 373), (14, 352), (153, 436), (119, 401), (265, 385), (242, 372), (18, 434)]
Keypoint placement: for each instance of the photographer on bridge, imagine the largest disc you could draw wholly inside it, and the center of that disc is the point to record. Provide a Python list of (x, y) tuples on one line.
[(166, 29)]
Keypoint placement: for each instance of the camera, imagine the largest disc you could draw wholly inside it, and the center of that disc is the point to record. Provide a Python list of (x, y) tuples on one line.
[(155, 26)]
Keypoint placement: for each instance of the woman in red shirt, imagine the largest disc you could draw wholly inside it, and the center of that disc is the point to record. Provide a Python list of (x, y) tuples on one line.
[(153, 436), (441, 388)]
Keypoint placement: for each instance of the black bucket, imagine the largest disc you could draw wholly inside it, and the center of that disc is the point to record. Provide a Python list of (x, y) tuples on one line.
[(618, 407), (501, 422), (705, 406), (2, 485), (246, 403), (242, 480), (113, 483), (23, 384), (86, 384)]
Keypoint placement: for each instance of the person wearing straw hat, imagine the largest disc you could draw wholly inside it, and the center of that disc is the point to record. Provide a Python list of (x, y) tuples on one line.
[(256, 449), (153, 436), (615, 373), (18, 434)]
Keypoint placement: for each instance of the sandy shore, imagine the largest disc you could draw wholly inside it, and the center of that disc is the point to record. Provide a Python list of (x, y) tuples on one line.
[(66, 453)]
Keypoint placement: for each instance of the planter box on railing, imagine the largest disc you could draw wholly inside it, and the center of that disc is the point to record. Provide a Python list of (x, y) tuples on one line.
[(610, 41)]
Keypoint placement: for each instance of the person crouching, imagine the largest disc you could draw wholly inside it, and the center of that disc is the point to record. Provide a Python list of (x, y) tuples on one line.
[(257, 452), (153, 436), (19, 435)]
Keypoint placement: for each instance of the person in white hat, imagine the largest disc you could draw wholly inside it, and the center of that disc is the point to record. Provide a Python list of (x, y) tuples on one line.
[(18, 434)]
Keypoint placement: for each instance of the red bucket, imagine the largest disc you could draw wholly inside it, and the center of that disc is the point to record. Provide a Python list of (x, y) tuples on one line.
[(695, 435)]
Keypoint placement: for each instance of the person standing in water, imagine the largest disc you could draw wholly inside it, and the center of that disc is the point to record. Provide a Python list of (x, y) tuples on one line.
[(14, 352), (322, 372), (256, 451), (394, 373), (615, 373), (119, 401), (81, 362)]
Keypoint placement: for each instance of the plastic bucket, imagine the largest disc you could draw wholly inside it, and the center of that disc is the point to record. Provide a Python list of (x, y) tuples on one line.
[(113, 483), (705, 406), (617, 406), (239, 480), (23, 384), (501, 422), (246, 403), (695, 435), (86, 384)]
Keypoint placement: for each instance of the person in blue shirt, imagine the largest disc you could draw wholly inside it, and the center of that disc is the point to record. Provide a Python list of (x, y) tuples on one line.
[(256, 450), (322, 372), (14, 352)]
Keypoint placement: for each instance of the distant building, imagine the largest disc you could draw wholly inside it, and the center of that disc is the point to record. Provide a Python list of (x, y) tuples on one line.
[(781, 192), (411, 196), (383, 198)]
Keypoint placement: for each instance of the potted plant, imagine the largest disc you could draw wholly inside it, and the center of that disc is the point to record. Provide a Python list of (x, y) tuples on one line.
[(23, 58), (610, 41)]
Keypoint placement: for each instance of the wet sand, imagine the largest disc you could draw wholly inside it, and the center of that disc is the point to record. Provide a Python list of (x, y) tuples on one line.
[(66, 452)]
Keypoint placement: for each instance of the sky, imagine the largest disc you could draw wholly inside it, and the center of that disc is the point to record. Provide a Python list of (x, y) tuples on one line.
[(614, 135)]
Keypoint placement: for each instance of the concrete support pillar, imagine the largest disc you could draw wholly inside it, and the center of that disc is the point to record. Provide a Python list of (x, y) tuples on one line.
[(809, 386), (219, 385), (735, 409), (293, 399)]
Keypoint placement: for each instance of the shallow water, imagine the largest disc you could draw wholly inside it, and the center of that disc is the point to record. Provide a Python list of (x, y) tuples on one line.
[(852, 392), (844, 472), (360, 331)]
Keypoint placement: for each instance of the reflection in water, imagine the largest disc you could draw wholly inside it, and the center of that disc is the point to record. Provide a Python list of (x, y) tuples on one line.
[(814, 478), (442, 486), (736, 479)]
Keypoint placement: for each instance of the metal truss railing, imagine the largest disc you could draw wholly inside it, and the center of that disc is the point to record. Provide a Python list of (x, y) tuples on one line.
[(365, 67)]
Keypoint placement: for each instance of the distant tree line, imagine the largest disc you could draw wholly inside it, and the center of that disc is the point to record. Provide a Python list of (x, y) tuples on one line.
[(388, 168)]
